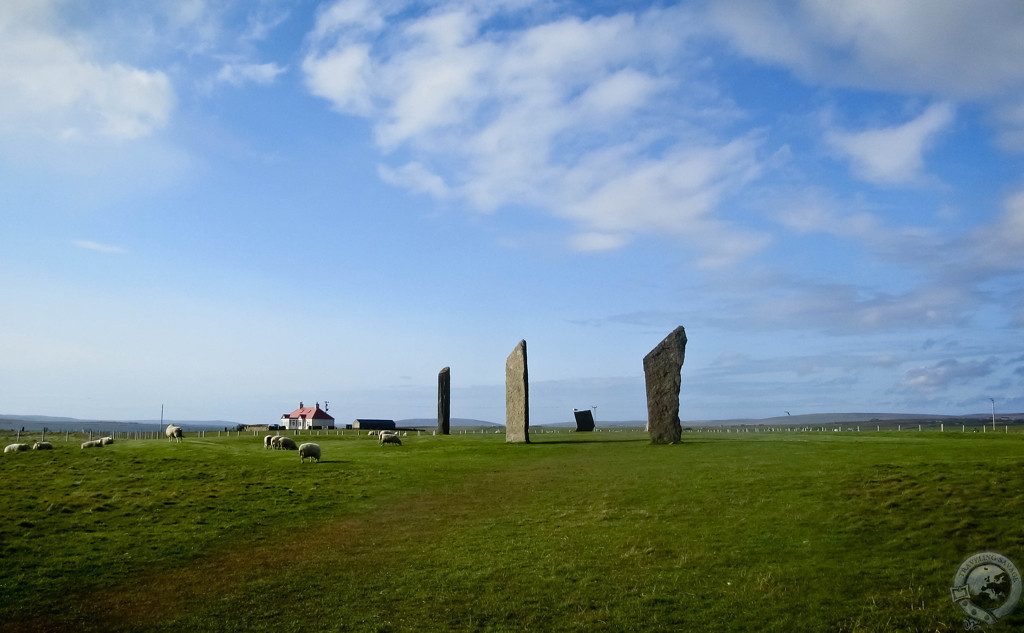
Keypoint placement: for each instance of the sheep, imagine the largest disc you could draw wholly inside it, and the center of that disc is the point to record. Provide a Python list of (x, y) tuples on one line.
[(173, 433), (287, 444), (92, 444), (107, 440), (16, 448), (275, 442), (42, 446), (310, 450), (390, 439), (267, 441)]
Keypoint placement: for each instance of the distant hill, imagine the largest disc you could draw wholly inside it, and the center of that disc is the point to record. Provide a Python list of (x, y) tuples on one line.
[(432, 422), (814, 419), (53, 423)]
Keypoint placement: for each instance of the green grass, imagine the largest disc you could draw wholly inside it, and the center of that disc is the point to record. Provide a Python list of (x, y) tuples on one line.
[(602, 532)]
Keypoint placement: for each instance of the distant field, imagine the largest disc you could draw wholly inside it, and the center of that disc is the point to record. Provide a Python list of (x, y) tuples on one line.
[(576, 532)]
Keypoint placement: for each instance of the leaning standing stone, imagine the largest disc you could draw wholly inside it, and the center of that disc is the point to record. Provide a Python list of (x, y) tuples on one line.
[(517, 396), (662, 368), (444, 401), (584, 420)]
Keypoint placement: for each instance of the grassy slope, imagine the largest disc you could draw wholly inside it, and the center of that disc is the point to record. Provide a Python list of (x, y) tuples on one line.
[(782, 532)]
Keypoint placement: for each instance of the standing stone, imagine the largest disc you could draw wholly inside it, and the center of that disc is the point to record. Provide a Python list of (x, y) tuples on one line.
[(662, 368), (517, 396), (444, 401), (584, 420)]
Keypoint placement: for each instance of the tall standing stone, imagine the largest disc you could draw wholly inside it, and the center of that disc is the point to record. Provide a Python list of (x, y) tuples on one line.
[(662, 367), (444, 401), (517, 396)]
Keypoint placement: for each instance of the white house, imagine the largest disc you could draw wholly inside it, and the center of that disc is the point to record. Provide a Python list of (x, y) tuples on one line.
[(307, 418)]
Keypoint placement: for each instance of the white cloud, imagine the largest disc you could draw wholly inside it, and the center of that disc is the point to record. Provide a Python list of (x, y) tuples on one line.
[(944, 374), (416, 177), (98, 247), (1011, 119), (242, 73), (595, 242), (341, 77), (566, 115), (999, 247), (52, 87), (892, 155), (952, 49)]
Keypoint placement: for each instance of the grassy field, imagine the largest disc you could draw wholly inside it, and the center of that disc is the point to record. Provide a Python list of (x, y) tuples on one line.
[(576, 532)]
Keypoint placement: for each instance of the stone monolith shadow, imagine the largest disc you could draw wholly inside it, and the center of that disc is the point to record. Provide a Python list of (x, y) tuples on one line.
[(444, 401), (662, 367), (517, 396)]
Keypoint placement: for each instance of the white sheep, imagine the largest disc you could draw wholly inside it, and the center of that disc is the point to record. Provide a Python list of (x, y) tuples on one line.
[(173, 433), (107, 440), (16, 448), (275, 442), (390, 439), (310, 450), (267, 440), (42, 446), (92, 444), (287, 444)]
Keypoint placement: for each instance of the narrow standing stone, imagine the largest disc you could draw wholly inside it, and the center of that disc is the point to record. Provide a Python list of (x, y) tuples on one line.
[(444, 402), (517, 396), (662, 368)]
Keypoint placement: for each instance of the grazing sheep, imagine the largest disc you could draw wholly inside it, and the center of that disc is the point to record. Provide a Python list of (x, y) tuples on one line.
[(173, 433), (15, 448), (92, 444), (390, 439), (107, 440), (42, 446), (310, 450), (275, 442), (267, 440), (287, 444)]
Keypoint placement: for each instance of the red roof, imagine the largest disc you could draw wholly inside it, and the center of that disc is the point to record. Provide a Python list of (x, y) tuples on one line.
[(309, 413)]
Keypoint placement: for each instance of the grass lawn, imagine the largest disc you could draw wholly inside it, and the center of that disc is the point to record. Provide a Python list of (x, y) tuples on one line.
[(575, 532)]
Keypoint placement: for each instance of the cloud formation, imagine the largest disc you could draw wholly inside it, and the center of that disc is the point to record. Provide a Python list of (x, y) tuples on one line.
[(892, 155), (53, 87), (98, 247), (237, 74), (560, 113), (951, 49), (944, 374)]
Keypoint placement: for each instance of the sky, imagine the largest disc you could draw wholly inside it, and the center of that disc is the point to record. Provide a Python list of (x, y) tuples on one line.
[(226, 207)]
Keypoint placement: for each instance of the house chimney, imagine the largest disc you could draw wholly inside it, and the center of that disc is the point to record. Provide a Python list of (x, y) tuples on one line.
[(300, 404)]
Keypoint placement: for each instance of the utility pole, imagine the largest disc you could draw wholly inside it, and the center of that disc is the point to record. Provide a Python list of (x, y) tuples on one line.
[(993, 413)]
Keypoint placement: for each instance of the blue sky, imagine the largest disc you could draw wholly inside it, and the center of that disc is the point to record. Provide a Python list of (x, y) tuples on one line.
[(228, 207)]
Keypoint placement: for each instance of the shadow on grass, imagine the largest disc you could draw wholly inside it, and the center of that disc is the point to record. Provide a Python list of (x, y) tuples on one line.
[(587, 441)]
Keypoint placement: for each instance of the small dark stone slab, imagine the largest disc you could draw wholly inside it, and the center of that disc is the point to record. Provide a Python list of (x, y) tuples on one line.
[(517, 396), (584, 420), (444, 401), (662, 368)]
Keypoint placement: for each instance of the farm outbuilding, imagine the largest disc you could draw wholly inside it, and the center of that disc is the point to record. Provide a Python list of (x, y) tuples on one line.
[(373, 425), (307, 418)]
